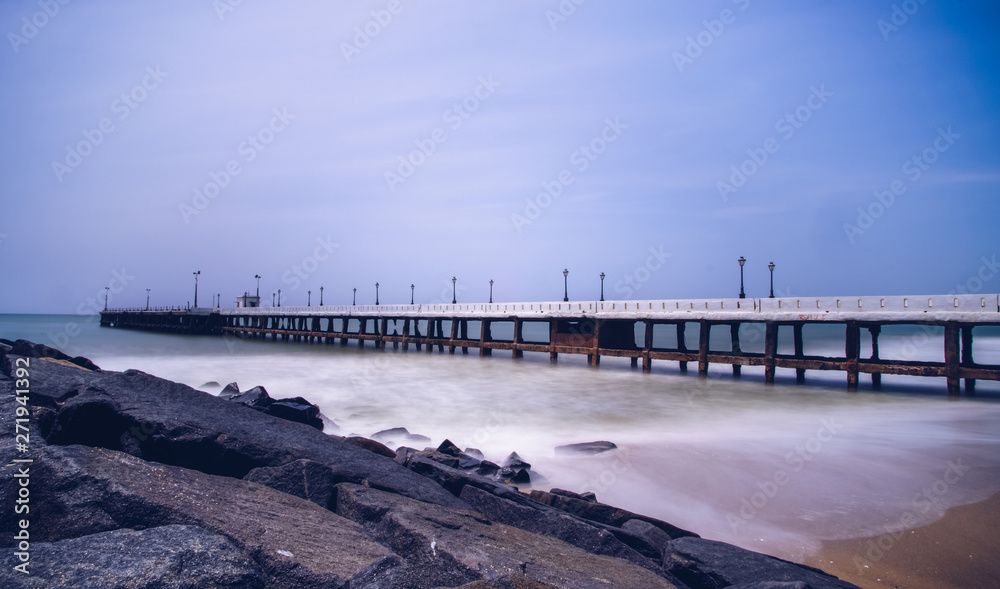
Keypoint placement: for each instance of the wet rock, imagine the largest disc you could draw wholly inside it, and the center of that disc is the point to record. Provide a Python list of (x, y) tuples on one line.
[(449, 448), (32, 350), (475, 453), (302, 478), (444, 547), (605, 514), (487, 468), (167, 557), (514, 461), (255, 398), (653, 536), (399, 436), (513, 476), (586, 496), (371, 446), (209, 386), (585, 448), (296, 409), (707, 563), (229, 391)]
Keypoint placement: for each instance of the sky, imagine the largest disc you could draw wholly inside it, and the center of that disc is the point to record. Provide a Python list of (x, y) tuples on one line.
[(856, 145)]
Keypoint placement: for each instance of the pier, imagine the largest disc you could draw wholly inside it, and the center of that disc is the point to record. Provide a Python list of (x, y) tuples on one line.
[(624, 329)]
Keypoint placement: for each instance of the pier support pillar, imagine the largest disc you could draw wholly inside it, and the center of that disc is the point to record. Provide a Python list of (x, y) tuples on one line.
[(706, 328), (647, 363), (970, 383), (770, 350), (952, 357), (734, 333), (635, 362), (682, 345), (875, 330), (465, 334), (800, 373), (516, 353), (485, 336), (454, 334), (852, 347), (406, 334), (553, 357), (647, 346), (431, 325)]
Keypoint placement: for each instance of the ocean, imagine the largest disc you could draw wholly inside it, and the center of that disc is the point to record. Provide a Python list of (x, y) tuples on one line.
[(777, 469)]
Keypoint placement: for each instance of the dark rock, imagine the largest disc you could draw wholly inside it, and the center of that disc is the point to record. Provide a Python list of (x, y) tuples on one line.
[(454, 480), (436, 456), (445, 547), (515, 581), (302, 478), (295, 543), (772, 585), (464, 462), (487, 468), (653, 536), (475, 453), (32, 350), (707, 563), (209, 385), (585, 448), (587, 496), (399, 436), (605, 514), (173, 424), (255, 398), (167, 557), (514, 462), (229, 391), (371, 446), (513, 476), (296, 409), (447, 447)]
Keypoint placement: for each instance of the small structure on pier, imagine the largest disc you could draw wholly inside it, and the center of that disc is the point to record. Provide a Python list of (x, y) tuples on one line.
[(247, 300)]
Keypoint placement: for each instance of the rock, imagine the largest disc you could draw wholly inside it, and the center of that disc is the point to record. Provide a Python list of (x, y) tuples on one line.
[(82, 491), (447, 447), (32, 350), (514, 581), (772, 585), (653, 536), (436, 456), (209, 386), (587, 496), (605, 514), (399, 436), (171, 423), (255, 398), (465, 461), (302, 478), (475, 453), (168, 557), (229, 391), (487, 468), (371, 446), (445, 547), (296, 409), (513, 461), (707, 563), (513, 476), (585, 448)]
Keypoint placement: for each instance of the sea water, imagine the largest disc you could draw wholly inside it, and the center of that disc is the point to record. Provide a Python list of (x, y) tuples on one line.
[(772, 468)]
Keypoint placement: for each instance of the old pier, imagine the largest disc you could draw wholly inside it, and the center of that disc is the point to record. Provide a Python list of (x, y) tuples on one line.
[(625, 329)]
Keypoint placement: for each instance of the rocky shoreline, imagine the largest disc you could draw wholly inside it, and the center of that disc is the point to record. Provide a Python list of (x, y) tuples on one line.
[(141, 482)]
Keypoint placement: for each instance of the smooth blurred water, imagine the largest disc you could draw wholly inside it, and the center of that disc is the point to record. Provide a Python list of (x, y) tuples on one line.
[(776, 469)]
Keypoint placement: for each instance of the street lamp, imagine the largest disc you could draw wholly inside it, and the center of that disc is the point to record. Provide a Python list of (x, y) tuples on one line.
[(771, 268), (602, 286), (355, 300), (309, 301), (196, 288), (321, 296), (742, 261), (411, 293), (376, 293), (257, 276), (491, 290), (453, 282), (147, 299), (565, 286), (272, 299), (106, 289), (279, 297), (219, 304)]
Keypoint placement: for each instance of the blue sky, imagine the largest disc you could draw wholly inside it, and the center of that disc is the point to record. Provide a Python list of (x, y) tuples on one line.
[(318, 144)]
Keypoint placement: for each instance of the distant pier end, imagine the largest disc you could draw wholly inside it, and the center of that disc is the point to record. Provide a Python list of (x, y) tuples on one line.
[(624, 329)]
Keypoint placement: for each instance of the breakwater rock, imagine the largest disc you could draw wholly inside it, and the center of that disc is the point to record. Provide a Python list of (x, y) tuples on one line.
[(141, 482)]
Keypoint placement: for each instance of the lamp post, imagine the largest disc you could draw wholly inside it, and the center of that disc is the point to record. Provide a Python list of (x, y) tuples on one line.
[(411, 293), (272, 299), (453, 282), (219, 304), (376, 293), (257, 276), (321, 296), (491, 290), (602, 286), (196, 274), (771, 268), (742, 261), (106, 289), (147, 299), (279, 297), (565, 286), (355, 300), (309, 300)]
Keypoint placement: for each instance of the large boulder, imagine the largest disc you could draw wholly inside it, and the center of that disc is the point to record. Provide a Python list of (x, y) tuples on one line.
[(32, 350), (605, 514), (585, 448)]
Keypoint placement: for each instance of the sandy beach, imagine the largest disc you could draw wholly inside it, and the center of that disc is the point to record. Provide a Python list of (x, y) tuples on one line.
[(959, 551)]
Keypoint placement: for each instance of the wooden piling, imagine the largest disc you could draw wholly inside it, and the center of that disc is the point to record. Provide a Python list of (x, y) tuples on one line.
[(952, 357), (682, 345), (800, 373), (967, 361), (734, 333), (704, 331), (852, 349), (770, 350), (875, 330)]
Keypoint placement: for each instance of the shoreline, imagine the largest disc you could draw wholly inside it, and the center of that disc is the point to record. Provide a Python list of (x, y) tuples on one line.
[(957, 551)]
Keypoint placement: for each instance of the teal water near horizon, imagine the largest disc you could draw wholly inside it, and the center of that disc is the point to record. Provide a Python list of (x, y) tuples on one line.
[(773, 468)]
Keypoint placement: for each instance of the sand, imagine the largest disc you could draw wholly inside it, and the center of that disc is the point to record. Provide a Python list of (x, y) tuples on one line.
[(959, 551)]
